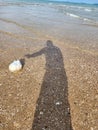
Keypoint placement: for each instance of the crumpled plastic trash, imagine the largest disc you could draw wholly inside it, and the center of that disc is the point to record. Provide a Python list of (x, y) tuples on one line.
[(15, 66)]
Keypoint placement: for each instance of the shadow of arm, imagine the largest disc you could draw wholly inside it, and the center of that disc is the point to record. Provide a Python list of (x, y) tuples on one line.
[(35, 54)]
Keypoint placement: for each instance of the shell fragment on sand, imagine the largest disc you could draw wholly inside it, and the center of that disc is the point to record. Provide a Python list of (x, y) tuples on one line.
[(15, 66)]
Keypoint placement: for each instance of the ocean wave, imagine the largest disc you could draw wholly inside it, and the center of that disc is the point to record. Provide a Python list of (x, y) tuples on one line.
[(88, 10), (72, 15), (90, 22), (86, 19)]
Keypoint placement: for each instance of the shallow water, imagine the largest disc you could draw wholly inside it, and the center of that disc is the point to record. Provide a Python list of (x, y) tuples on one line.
[(77, 23)]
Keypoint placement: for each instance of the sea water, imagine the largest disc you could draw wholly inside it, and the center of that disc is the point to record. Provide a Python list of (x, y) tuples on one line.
[(77, 22), (82, 11)]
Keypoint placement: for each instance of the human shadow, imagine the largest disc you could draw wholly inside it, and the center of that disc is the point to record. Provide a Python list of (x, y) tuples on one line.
[(52, 107)]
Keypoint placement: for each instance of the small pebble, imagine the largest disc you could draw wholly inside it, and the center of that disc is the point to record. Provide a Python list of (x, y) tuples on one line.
[(17, 125), (58, 103), (92, 128), (41, 113)]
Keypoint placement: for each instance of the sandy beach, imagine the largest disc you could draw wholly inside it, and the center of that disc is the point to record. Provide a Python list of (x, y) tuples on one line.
[(20, 91), (57, 89)]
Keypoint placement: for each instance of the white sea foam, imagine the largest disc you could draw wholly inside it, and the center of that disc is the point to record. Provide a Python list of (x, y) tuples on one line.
[(88, 10), (86, 19), (73, 15), (91, 22)]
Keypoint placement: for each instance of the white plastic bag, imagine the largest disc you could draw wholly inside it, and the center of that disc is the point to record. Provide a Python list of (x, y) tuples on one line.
[(15, 66)]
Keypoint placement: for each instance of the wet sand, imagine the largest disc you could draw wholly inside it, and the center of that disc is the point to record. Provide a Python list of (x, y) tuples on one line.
[(32, 99)]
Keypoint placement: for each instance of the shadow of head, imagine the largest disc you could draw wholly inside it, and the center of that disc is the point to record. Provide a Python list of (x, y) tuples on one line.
[(49, 43)]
